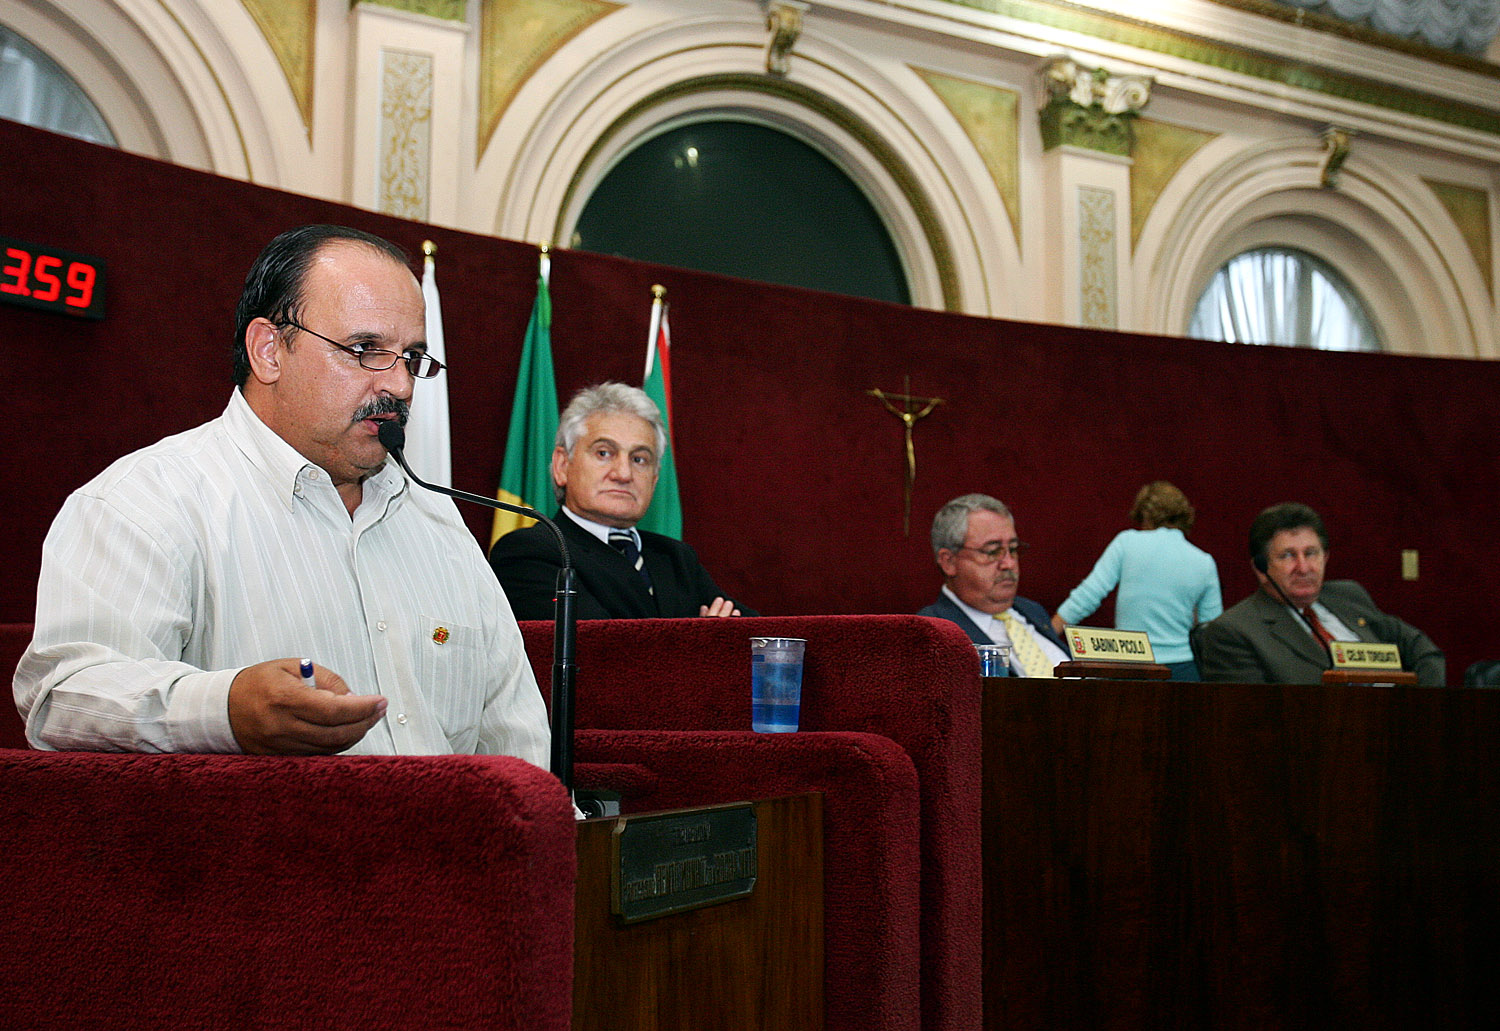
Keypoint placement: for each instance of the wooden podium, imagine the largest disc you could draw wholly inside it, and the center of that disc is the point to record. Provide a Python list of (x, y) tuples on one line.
[(748, 963)]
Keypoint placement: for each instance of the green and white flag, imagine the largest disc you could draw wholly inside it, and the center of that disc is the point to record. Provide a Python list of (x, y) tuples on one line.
[(526, 476)]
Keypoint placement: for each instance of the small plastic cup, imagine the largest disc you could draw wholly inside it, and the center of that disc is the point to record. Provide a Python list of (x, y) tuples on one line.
[(994, 660), (776, 683)]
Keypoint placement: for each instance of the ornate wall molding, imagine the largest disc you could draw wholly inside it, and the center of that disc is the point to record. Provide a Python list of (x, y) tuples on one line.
[(1098, 279), (1262, 61), (290, 27), (712, 90), (405, 133), (990, 118), (641, 72), (1470, 209), (1161, 149), (1383, 229), (518, 36)]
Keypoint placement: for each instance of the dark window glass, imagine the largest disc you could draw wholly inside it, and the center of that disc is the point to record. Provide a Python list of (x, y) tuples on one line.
[(744, 200)]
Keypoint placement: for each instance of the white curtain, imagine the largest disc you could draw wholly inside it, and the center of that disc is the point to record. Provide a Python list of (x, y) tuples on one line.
[(1466, 25), (1282, 296), (35, 91)]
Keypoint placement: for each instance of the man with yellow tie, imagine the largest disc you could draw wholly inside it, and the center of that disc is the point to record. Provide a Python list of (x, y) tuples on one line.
[(974, 542)]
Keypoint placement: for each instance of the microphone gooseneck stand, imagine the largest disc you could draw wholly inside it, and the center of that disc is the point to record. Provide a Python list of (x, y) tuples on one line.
[(564, 635)]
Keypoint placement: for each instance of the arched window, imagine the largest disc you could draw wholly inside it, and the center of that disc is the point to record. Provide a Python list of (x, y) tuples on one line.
[(745, 200), (1279, 295), (35, 91)]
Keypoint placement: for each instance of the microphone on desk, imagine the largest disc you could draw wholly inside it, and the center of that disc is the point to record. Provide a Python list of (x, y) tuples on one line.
[(564, 640)]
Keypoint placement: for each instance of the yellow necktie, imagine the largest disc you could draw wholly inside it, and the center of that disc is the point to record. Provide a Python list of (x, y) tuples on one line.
[(1028, 652)]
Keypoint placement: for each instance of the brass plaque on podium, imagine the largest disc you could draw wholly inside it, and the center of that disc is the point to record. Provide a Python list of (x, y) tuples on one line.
[(670, 862)]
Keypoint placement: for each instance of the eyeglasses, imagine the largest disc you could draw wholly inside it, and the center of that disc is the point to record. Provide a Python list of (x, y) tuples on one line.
[(420, 364), (994, 551)]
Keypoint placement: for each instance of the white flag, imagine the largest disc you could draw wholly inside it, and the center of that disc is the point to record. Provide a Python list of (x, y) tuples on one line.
[(428, 438)]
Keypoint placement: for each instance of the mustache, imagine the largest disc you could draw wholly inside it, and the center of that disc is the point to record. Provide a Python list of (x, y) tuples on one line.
[(383, 406), (1007, 576)]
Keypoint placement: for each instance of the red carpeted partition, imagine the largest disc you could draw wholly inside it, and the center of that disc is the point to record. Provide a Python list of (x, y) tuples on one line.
[(911, 679), (870, 844), (246, 892)]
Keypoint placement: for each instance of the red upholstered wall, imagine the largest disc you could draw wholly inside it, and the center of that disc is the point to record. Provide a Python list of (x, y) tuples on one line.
[(792, 474)]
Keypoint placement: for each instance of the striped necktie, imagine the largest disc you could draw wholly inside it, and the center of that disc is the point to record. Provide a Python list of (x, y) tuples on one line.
[(624, 543), (1028, 653)]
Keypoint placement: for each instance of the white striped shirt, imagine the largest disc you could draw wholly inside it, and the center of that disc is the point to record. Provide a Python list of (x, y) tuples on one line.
[(222, 547)]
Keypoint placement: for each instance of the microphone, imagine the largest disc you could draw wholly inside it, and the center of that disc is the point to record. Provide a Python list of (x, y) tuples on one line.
[(1261, 563), (564, 640)]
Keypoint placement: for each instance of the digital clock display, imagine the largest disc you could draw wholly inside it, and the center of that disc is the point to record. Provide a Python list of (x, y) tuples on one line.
[(50, 279)]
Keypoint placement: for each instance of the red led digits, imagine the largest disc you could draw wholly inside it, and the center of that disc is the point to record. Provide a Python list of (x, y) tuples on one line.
[(51, 279)]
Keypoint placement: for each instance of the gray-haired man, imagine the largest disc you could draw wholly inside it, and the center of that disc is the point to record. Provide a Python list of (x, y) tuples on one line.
[(975, 544), (610, 441)]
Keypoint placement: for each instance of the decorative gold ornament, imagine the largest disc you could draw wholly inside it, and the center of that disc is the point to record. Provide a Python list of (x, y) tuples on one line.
[(784, 22), (1336, 143)]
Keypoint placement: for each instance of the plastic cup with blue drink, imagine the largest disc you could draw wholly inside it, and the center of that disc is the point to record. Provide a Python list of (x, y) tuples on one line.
[(775, 683), (994, 660)]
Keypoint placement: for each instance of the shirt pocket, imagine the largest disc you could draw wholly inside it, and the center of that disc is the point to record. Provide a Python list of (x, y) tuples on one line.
[(450, 674)]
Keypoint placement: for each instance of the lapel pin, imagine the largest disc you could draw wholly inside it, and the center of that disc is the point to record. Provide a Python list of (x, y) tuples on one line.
[(440, 635)]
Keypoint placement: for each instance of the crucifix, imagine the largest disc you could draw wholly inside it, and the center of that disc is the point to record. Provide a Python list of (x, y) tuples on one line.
[(909, 410)]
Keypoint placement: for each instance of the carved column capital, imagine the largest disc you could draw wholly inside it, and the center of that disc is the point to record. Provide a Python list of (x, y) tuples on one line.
[(1089, 107)]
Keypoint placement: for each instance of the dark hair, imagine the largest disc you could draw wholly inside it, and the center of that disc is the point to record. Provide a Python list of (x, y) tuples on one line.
[(273, 286), (1289, 515), (1160, 504)]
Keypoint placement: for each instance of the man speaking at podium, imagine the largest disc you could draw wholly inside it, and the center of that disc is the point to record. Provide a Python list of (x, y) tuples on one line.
[(1280, 634), (183, 587)]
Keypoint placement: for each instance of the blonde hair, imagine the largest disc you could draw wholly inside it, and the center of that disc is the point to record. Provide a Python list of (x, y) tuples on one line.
[(1160, 504)]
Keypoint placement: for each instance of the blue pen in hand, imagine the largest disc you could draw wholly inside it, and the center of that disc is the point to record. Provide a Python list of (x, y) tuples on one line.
[(307, 674)]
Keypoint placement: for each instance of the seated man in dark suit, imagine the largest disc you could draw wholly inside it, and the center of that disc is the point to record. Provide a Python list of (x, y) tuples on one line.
[(974, 542), (610, 440), (1280, 634)]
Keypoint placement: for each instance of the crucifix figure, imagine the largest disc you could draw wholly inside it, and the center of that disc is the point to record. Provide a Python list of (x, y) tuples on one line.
[(910, 409)]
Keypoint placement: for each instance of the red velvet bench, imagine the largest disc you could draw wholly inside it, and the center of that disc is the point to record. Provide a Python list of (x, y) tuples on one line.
[(154, 891)]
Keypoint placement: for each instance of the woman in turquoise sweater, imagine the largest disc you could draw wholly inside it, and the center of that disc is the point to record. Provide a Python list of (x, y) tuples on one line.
[(1166, 584)]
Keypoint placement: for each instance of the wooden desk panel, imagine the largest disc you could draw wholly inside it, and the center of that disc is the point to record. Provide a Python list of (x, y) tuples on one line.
[(1228, 856), (751, 963)]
